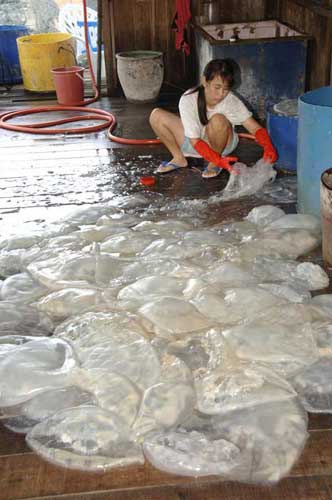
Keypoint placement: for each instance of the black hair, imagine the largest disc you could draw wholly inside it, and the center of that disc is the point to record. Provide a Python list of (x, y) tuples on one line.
[(216, 67)]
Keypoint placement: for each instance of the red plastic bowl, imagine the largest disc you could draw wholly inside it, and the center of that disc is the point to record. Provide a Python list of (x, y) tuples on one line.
[(147, 181)]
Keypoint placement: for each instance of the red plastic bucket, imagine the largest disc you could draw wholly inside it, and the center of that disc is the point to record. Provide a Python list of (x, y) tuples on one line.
[(69, 85)]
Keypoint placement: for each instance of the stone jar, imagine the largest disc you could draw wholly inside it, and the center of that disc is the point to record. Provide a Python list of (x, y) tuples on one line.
[(140, 74)]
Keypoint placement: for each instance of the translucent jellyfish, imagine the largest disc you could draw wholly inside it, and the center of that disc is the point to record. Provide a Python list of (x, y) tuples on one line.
[(87, 215), (201, 352), (21, 418), (35, 367), (87, 438), (118, 219), (289, 314), (21, 288), (322, 331), (113, 392), (265, 214), (284, 348), (169, 315), (129, 243), (11, 262), (249, 181), (164, 405), (198, 286), (172, 268), (69, 241), (321, 307), (10, 342), (296, 221), (282, 243), (204, 237), (237, 386), (73, 270), (235, 305), (88, 330), (150, 287), (96, 233), (291, 293), (231, 274), (194, 454), (69, 302), (236, 232), (305, 274), (173, 369), (274, 435), (182, 249), (136, 359), (21, 319), (314, 386), (163, 228), (16, 242)]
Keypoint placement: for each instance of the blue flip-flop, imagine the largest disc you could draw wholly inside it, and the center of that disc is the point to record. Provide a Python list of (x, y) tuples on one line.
[(214, 171), (167, 166)]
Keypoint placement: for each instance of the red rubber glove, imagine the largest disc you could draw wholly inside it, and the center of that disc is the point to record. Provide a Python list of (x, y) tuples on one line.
[(212, 156), (263, 139)]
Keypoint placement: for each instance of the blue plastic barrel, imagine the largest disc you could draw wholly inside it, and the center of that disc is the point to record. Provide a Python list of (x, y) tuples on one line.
[(10, 72), (314, 148), (283, 132)]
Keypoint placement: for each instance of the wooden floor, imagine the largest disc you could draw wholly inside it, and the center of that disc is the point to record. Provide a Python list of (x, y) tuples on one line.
[(41, 179)]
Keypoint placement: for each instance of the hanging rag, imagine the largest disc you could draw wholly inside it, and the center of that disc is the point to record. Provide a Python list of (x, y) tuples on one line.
[(179, 25)]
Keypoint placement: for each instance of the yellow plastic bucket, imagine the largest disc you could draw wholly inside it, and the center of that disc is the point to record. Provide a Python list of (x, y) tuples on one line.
[(38, 54)]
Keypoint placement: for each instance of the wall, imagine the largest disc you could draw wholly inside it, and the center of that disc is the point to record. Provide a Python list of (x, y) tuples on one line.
[(146, 24), (314, 19), (235, 10)]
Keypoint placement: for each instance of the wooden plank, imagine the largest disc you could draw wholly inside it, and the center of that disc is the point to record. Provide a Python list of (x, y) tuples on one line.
[(142, 24), (308, 20), (12, 443), (241, 10), (272, 9), (320, 421), (114, 77), (313, 488), (26, 475), (108, 15), (314, 7)]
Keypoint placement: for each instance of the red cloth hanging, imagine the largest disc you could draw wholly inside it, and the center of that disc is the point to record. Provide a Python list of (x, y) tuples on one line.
[(179, 24)]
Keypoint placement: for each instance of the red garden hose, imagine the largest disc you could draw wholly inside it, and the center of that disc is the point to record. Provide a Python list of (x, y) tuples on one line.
[(108, 119)]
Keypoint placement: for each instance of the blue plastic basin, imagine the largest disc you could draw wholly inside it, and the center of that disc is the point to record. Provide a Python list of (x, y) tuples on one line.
[(283, 132), (10, 72)]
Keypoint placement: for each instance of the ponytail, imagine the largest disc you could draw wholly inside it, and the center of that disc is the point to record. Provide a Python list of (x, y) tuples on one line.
[(201, 103)]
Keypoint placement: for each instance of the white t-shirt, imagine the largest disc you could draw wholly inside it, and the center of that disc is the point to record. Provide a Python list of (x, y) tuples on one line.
[(231, 107)]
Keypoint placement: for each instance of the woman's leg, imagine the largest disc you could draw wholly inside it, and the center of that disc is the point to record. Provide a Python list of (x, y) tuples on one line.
[(168, 127), (219, 133)]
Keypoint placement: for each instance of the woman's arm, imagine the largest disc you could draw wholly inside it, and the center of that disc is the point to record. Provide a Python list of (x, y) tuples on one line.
[(251, 125), (263, 139)]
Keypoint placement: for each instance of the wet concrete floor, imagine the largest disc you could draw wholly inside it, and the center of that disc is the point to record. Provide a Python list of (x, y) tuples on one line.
[(41, 177)]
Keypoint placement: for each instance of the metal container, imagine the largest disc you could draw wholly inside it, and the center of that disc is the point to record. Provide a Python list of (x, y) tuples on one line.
[(326, 215), (314, 147), (269, 59)]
